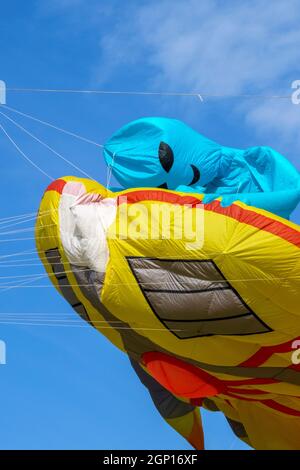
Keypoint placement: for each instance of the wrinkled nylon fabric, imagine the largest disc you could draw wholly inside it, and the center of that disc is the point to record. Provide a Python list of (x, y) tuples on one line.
[(249, 256), (257, 176)]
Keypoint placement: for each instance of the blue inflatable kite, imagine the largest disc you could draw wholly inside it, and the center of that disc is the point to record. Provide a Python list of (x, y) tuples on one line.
[(166, 153)]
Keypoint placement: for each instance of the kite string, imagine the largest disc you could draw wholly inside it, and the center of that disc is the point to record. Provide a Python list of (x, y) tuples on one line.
[(33, 216), (85, 326), (109, 170), (149, 93), (44, 144), (23, 218), (5, 220), (24, 156), (19, 253), (34, 277), (48, 124), (21, 284), (18, 222), (22, 230)]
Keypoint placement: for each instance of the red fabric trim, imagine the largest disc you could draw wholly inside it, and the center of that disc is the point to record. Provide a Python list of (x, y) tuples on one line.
[(233, 211), (282, 408), (270, 404), (264, 353), (235, 395), (257, 381), (57, 185), (196, 401), (245, 391), (158, 195)]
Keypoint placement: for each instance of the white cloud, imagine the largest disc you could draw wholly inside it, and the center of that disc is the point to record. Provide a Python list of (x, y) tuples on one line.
[(279, 122), (208, 46), (214, 47)]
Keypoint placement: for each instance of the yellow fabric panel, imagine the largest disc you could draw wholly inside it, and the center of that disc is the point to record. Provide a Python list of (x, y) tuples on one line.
[(46, 229), (224, 406), (240, 250), (48, 237), (268, 429), (190, 427), (262, 267), (246, 256)]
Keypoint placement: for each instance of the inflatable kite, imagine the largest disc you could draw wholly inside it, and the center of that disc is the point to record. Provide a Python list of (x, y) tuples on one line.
[(166, 153), (204, 299)]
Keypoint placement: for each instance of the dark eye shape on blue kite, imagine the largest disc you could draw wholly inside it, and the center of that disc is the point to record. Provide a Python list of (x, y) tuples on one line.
[(196, 175), (166, 158)]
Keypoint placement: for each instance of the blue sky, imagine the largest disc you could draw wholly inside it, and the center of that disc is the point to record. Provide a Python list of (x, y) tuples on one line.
[(67, 387)]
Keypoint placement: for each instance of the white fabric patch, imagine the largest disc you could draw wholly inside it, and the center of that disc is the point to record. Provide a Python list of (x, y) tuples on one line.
[(83, 226)]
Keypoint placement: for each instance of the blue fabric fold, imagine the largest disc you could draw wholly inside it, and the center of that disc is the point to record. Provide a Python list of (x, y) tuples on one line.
[(161, 152)]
